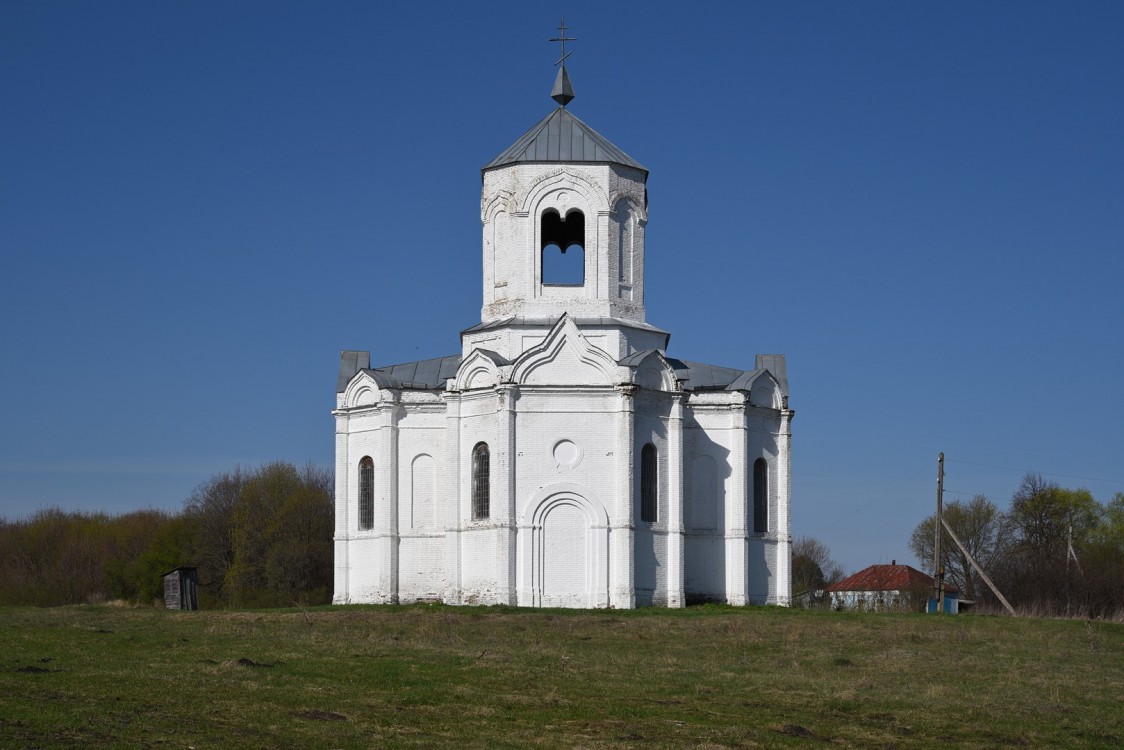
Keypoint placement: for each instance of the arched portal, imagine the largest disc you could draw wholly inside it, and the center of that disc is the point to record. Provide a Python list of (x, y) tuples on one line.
[(564, 549), (565, 561)]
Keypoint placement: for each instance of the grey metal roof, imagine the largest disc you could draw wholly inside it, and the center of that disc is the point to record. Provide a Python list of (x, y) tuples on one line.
[(427, 374), (707, 377), (351, 362), (562, 137), (600, 321), (745, 381), (775, 364), (695, 376), (498, 359), (634, 359), (431, 374)]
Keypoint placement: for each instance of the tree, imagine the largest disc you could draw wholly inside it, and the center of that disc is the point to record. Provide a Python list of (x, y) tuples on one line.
[(812, 566), (141, 575), (260, 537), (210, 514), (281, 535), (1045, 521), (134, 535), (1043, 516), (979, 525), (1110, 530)]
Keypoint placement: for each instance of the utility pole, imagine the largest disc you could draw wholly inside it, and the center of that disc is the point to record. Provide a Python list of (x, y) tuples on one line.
[(1069, 553), (938, 569), (976, 565)]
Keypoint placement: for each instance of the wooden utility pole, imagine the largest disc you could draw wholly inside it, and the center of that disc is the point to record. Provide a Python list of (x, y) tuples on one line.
[(979, 570), (1069, 553), (938, 569)]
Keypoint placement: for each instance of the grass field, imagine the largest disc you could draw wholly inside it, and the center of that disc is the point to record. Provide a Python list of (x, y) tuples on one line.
[(423, 676)]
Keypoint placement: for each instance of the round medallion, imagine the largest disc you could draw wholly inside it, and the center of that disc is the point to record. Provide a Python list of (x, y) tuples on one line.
[(567, 453)]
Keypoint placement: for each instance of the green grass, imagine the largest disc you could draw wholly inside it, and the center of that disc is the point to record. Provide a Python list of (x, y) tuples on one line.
[(423, 676)]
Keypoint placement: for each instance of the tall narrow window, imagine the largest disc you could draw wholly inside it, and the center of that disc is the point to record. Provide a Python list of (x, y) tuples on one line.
[(760, 496), (480, 482), (624, 241), (649, 483), (366, 493), (563, 248)]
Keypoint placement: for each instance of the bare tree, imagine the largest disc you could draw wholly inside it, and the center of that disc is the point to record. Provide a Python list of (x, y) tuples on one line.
[(812, 566), (210, 510), (979, 525), (1048, 523)]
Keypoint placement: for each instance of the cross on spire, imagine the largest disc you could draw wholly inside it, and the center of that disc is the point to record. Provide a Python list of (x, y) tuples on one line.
[(562, 60), (563, 91)]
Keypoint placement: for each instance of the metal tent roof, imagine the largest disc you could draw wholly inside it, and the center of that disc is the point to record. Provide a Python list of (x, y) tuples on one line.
[(562, 137)]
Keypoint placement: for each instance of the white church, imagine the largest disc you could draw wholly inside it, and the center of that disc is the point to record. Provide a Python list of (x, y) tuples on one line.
[(562, 458)]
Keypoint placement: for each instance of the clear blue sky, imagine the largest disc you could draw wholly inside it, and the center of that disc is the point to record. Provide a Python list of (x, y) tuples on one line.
[(922, 205)]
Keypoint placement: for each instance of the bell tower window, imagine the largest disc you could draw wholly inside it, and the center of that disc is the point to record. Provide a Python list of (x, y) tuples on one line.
[(563, 248)]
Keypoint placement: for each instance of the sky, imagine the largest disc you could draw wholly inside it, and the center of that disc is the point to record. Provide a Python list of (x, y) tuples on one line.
[(920, 204)]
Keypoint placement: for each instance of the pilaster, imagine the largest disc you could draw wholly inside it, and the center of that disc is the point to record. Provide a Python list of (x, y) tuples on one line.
[(507, 505), (449, 496), (676, 596), (784, 509), (622, 578), (737, 504), (344, 504), (386, 490)]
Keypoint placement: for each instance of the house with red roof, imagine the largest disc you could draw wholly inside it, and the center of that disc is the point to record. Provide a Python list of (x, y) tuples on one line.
[(890, 587)]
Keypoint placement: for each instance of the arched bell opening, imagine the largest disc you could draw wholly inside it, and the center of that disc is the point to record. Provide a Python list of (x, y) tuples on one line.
[(563, 248)]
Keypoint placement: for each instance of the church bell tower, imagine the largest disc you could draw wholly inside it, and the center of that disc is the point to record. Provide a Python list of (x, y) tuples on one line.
[(563, 190)]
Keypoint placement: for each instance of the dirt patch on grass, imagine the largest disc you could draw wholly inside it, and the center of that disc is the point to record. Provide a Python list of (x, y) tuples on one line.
[(315, 714), (795, 730), (244, 662)]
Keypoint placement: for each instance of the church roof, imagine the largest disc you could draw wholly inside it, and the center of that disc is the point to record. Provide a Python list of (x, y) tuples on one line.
[(517, 320), (701, 376), (431, 374), (426, 374), (562, 137)]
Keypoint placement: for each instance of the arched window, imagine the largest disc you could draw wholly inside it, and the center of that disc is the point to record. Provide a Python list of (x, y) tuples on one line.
[(480, 482), (366, 493), (563, 248), (760, 496), (649, 484)]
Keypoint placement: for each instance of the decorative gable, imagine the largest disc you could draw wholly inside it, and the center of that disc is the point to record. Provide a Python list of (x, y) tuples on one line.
[(565, 357), (650, 369), (364, 389), (764, 389), (480, 369)]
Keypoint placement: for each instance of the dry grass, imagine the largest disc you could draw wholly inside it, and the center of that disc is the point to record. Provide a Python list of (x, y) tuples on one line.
[(492, 677)]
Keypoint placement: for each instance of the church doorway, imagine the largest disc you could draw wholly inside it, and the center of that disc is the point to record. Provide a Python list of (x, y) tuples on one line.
[(565, 556), (564, 549)]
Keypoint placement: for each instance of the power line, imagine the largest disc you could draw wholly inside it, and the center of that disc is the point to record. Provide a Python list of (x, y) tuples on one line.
[(964, 493), (1035, 471), (884, 496)]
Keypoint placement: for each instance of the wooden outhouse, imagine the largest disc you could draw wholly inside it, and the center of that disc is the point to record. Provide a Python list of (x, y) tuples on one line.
[(180, 589)]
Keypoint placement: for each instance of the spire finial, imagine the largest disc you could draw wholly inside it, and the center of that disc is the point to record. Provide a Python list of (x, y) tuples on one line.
[(563, 91)]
